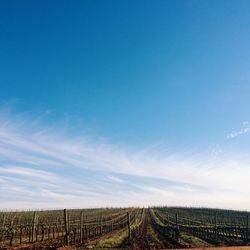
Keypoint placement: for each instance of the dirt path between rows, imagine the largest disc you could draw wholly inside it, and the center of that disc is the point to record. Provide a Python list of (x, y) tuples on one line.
[(148, 238), (145, 238)]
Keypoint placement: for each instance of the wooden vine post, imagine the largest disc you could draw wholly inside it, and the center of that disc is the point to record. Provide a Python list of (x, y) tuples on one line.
[(176, 220), (128, 222), (4, 218), (33, 227), (42, 229), (101, 225), (215, 226), (2, 227), (21, 234), (66, 226), (177, 227), (81, 228), (11, 235), (247, 228)]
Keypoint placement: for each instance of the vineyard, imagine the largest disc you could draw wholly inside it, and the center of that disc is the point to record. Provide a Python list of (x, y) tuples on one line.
[(131, 228)]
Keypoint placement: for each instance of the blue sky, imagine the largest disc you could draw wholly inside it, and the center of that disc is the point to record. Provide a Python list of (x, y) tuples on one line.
[(114, 103)]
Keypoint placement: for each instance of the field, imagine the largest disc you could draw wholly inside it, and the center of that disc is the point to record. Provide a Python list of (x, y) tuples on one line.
[(124, 228)]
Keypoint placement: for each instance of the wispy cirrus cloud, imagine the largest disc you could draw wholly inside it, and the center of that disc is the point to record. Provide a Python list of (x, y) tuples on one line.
[(27, 172), (115, 179), (41, 167), (244, 130)]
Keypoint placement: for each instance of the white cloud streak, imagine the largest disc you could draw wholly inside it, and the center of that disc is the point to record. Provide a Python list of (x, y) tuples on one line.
[(115, 179), (244, 130), (27, 172), (40, 168)]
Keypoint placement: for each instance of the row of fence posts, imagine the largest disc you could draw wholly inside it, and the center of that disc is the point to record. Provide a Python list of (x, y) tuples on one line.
[(216, 225), (66, 227)]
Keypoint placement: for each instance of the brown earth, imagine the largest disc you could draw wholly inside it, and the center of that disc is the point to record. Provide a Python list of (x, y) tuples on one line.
[(27, 247), (148, 238), (145, 237)]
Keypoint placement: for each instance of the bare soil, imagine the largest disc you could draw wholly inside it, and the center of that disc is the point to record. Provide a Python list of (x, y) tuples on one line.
[(146, 237)]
